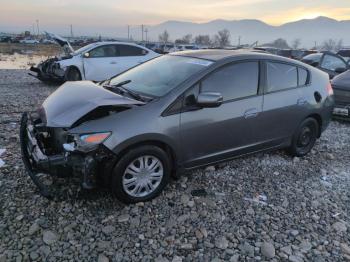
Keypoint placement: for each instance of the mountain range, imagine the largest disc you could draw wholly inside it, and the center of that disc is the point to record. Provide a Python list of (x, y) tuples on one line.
[(310, 31)]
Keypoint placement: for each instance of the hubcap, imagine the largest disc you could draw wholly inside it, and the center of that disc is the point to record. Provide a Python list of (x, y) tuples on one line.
[(305, 137), (143, 176)]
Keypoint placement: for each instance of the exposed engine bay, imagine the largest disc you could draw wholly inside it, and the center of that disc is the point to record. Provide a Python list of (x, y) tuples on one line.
[(50, 145)]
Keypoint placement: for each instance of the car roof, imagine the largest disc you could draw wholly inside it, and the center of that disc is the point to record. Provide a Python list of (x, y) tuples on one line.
[(115, 42), (221, 54)]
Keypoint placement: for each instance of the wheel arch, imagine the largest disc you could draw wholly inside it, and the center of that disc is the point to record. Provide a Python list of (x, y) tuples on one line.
[(168, 149), (73, 67), (318, 118)]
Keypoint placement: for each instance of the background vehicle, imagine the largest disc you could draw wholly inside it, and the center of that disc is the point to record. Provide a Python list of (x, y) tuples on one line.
[(97, 61), (341, 87), (186, 47), (328, 62), (291, 53), (29, 41), (345, 53), (159, 118)]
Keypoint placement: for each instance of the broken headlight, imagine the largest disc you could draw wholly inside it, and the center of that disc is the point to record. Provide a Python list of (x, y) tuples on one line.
[(86, 142), (95, 138)]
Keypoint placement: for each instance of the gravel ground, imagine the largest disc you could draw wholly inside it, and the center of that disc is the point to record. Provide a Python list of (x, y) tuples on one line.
[(267, 207)]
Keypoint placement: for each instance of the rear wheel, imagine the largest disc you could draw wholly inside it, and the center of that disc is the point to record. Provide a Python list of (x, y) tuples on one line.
[(304, 138), (141, 174), (73, 74)]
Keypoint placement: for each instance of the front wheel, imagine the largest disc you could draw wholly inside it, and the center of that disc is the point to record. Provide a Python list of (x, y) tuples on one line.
[(73, 74), (141, 174), (304, 138)]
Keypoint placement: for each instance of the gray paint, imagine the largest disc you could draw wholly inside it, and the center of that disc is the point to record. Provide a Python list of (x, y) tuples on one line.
[(205, 135)]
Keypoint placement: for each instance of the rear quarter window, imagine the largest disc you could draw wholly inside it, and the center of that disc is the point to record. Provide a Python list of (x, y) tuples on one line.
[(303, 77)]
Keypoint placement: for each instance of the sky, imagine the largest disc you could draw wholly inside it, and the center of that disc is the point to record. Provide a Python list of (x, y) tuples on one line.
[(57, 15)]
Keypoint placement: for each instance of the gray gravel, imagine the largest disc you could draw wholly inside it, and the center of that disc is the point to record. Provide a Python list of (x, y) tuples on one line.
[(267, 207)]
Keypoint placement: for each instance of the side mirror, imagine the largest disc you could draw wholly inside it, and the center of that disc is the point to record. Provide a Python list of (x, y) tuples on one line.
[(315, 64), (209, 99), (340, 70), (86, 55)]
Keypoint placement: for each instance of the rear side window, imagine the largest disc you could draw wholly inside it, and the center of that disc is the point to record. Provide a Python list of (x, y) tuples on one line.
[(281, 76), (302, 76), (129, 50), (234, 81)]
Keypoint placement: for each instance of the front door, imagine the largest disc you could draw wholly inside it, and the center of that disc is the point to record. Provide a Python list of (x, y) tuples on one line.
[(101, 63), (212, 134)]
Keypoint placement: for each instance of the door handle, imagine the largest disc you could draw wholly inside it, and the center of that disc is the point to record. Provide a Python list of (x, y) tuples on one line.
[(253, 112), (301, 101), (113, 63)]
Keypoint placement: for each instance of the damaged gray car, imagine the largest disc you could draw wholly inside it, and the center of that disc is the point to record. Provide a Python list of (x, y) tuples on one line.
[(172, 114)]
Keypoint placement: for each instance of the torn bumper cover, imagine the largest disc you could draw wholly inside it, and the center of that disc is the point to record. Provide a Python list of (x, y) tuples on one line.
[(67, 162), (49, 70)]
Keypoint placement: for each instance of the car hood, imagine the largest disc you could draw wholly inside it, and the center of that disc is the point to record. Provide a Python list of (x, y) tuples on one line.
[(64, 43), (73, 100)]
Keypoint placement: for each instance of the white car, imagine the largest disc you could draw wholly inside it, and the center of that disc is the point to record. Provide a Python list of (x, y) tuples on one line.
[(29, 41), (97, 62)]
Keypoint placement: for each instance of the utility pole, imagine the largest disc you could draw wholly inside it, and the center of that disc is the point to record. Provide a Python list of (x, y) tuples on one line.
[(128, 32), (37, 26), (146, 31), (71, 31), (33, 29), (142, 32)]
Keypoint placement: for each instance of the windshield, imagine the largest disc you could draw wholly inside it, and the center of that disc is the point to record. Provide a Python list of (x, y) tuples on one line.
[(160, 75), (84, 49)]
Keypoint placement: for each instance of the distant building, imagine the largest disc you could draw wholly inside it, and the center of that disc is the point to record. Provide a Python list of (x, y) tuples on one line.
[(26, 33)]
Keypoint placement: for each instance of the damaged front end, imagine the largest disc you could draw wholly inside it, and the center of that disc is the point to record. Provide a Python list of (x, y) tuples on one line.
[(51, 145), (56, 152), (49, 70)]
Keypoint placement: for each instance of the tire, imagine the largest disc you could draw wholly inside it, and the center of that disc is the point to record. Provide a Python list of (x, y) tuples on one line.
[(129, 172), (304, 138), (73, 74)]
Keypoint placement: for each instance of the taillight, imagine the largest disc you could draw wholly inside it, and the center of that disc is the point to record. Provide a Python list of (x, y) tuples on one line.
[(330, 89)]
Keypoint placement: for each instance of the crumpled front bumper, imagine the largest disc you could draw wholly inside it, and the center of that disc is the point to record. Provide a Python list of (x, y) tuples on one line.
[(60, 165), (48, 70)]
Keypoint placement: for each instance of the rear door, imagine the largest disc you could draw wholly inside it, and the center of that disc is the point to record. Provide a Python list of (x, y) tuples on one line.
[(284, 102), (130, 56), (101, 63), (212, 134)]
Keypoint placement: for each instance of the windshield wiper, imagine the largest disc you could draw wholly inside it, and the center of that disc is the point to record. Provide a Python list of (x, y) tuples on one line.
[(125, 90)]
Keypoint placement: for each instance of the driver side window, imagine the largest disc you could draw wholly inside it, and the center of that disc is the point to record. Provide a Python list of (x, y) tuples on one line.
[(332, 63)]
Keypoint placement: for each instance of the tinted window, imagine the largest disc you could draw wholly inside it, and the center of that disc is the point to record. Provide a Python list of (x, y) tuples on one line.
[(234, 81), (281, 76), (104, 51), (129, 50), (331, 63), (303, 77)]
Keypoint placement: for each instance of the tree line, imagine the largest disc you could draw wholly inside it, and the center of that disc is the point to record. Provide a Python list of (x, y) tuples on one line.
[(223, 39)]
